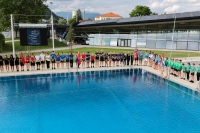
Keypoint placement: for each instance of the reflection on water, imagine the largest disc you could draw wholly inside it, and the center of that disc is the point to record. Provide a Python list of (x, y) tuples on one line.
[(42, 83)]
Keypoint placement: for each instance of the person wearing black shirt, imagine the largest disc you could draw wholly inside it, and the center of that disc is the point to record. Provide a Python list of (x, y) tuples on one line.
[(12, 63), (97, 59), (117, 59), (71, 60), (121, 58), (1, 63), (110, 59), (17, 63), (113, 59), (132, 58), (124, 60), (128, 57), (106, 60), (101, 58), (6, 62)]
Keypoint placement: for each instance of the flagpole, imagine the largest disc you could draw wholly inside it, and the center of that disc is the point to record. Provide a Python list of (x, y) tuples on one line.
[(172, 42)]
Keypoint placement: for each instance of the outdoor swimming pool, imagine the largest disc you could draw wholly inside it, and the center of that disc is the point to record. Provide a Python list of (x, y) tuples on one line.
[(114, 101)]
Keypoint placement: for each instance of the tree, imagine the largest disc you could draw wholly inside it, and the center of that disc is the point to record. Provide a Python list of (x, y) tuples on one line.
[(26, 7), (2, 42), (70, 37), (72, 21), (153, 13), (140, 11), (62, 21), (89, 19), (79, 15)]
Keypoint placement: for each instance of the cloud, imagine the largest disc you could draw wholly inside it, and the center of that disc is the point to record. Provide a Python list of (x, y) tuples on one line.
[(172, 9), (123, 7)]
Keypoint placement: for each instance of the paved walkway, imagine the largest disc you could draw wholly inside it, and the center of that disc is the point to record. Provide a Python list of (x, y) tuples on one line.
[(192, 86)]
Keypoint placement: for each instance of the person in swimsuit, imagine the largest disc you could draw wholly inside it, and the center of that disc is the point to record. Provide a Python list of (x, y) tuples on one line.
[(1, 63), (12, 60), (17, 62), (6, 62)]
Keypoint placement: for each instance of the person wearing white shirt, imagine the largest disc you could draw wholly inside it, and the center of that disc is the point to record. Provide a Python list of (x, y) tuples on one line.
[(47, 60), (37, 58), (42, 57)]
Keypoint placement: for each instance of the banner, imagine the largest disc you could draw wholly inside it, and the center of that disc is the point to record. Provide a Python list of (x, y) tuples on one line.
[(33, 36)]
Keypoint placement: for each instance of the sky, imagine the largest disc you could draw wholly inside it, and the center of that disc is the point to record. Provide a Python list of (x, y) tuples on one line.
[(124, 7)]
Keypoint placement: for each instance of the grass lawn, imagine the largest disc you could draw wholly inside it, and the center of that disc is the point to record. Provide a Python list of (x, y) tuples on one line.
[(8, 46), (10, 39), (175, 54)]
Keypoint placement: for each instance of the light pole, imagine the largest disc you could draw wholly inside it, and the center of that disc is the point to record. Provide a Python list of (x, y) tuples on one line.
[(52, 29), (172, 42)]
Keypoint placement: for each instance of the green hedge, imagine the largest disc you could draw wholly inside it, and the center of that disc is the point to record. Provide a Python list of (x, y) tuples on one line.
[(2, 42)]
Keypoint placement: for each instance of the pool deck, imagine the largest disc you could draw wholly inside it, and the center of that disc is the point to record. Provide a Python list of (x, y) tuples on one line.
[(182, 82)]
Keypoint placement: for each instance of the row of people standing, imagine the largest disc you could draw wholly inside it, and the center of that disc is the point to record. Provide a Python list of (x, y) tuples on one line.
[(176, 67), (98, 59)]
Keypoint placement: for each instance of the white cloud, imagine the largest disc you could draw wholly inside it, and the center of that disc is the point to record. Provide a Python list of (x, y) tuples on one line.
[(124, 7), (172, 9)]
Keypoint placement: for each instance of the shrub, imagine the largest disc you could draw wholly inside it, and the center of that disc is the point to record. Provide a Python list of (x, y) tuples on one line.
[(2, 42)]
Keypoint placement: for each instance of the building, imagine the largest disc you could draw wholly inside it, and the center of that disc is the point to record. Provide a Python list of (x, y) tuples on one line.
[(74, 13), (154, 31), (107, 16)]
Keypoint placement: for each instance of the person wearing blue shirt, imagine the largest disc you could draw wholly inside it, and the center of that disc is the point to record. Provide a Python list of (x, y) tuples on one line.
[(140, 57), (146, 58), (71, 60), (62, 60), (67, 60), (88, 59), (53, 59), (58, 60)]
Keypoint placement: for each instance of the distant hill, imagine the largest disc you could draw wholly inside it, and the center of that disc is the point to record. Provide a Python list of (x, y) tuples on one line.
[(91, 15), (56, 17)]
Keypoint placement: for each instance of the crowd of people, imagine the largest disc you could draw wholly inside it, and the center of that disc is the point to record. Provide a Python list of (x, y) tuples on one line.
[(100, 59)]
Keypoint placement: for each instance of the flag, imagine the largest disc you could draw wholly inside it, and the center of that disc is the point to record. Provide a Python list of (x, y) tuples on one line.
[(79, 60), (163, 56), (22, 57), (163, 59)]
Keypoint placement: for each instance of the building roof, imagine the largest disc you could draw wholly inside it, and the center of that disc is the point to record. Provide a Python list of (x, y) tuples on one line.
[(145, 19), (110, 14), (97, 17)]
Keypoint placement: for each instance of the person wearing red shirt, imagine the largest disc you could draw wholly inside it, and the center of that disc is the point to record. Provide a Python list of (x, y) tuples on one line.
[(83, 59), (32, 62), (92, 60), (27, 62), (136, 57)]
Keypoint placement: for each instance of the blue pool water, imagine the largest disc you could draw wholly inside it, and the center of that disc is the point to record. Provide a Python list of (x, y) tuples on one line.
[(112, 101)]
